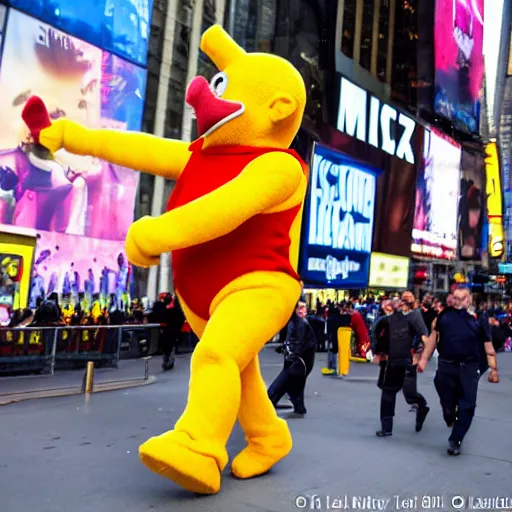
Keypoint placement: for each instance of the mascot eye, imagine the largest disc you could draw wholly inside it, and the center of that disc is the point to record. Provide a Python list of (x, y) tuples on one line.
[(219, 84)]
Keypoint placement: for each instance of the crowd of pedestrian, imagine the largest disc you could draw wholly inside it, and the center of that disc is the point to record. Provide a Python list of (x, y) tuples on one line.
[(401, 334)]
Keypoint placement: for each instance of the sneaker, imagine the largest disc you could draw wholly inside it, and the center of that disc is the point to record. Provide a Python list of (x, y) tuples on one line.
[(383, 433), (453, 448), (421, 416), (296, 414)]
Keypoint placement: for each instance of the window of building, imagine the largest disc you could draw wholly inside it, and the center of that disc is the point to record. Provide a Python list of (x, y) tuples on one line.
[(349, 28), (205, 67), (365, 59), (179, 69), (405, 51), (382, 49)]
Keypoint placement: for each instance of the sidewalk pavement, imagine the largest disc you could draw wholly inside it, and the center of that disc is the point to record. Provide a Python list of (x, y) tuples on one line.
[(69, 454), (128, 371)]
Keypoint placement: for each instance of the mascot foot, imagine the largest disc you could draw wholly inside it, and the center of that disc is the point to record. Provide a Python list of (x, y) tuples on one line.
[(193, 471), (262, 453)]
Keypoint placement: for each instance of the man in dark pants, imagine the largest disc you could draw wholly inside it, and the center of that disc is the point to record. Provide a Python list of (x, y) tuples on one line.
[(460, 338), (299, 350), (395, 336)]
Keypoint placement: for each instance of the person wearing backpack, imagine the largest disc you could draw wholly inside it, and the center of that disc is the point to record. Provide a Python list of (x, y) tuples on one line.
[(395, 335)]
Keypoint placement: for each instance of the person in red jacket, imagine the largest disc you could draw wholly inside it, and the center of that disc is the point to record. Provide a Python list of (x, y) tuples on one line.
[(360, 331)]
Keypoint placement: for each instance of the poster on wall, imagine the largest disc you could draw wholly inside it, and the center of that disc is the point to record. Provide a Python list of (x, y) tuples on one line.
[(471, 207), (119, 26), (459, 62), (437, 198), (338, 221)]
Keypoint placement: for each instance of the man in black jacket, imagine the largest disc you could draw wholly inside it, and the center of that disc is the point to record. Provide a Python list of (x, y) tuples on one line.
[(460, 339), (299, 352), (395, 335)]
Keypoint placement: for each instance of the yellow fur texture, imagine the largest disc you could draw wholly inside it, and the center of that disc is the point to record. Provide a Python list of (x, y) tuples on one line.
[(226, 382)]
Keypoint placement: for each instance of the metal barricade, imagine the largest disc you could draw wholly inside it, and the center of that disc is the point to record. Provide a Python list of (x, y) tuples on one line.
[(45, 349)]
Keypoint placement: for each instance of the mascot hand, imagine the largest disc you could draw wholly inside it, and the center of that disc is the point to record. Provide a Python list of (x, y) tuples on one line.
[(52, 137), (136, 246)]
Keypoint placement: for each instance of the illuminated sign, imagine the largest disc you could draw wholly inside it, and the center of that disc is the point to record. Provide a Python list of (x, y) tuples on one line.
[(510, 58), (387, 271), (365, 117), (505, 268), (494, 202), (339, 216), (437, 198)]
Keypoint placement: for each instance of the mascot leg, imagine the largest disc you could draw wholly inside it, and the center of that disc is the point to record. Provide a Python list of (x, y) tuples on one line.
[(245, 315), (268, 436)]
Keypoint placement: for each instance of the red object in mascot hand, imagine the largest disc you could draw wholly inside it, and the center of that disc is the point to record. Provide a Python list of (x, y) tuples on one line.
[(36, 116)]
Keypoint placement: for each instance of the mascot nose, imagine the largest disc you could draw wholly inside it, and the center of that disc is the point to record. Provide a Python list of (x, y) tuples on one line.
[(199, 89)]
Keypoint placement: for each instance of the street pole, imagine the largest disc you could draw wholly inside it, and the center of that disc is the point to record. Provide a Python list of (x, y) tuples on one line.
[(159, 130)]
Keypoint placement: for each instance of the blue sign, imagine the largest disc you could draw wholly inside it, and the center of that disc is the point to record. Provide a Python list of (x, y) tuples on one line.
[(119, 26), (338, 221)]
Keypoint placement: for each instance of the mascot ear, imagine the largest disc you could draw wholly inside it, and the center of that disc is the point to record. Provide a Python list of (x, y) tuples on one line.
[(281, 107)]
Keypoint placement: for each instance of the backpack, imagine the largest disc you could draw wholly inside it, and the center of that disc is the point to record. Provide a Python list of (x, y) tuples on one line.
[(400, 337)]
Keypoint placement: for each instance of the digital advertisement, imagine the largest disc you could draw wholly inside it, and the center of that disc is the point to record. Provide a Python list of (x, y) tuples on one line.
[(16, 260), (471, 207), (437, 198), (78, 204), (70, 264), (459, 62), (119, 26), (388, 271), (70, 194), (339, 217), (494, 202)]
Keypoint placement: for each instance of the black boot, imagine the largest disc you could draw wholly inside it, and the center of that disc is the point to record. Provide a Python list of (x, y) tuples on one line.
[(299, 408), (421, 415), (453, 448), (387, 428)]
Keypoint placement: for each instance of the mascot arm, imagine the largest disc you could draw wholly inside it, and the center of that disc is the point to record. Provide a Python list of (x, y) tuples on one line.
[(139, 151), (267, 182)]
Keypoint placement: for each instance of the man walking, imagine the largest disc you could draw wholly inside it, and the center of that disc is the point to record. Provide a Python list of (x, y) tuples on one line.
[(460, 338), (395, 334)]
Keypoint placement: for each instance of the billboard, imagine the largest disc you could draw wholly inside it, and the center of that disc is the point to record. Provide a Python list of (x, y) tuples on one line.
[(459, 62), (118, 26), (388, 271), (494, 202), (365, 117), (69, 194), (437, 198), (16, 260), (67, 264), (471, 206), (338, 225)]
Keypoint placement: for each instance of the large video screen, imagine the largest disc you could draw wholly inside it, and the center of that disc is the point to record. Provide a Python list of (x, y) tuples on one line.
[(70, 194), (471, 207), (459, 62), (338, 221), (67, 264), (119, 26), (437, 198)]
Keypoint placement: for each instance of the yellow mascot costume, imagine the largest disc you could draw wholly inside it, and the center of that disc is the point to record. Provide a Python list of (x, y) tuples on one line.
[(233, 225)]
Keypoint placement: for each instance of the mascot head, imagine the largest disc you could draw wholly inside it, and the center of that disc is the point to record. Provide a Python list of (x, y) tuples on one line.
[(256, 99)]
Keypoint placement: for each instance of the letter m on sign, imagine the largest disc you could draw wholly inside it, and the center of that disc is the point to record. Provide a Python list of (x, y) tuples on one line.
[(352, 110)]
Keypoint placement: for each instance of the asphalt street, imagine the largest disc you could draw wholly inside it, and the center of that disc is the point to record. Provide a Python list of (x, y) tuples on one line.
[(69, 455)]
